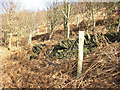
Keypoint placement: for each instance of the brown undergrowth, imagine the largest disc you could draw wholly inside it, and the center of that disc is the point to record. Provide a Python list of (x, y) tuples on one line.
[(100, 70)]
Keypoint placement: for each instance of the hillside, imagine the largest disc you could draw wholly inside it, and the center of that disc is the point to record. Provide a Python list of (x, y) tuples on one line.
[(100, 70), (52, 62)]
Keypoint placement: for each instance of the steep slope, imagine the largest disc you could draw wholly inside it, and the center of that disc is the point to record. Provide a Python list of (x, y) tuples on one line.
[(100, 70)]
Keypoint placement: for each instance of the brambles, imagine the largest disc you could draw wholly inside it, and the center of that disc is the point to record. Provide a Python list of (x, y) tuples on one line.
[(100, 70)]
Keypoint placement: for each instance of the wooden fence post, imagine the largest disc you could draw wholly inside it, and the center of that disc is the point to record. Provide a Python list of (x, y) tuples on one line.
[(80, 53), (118, 30)]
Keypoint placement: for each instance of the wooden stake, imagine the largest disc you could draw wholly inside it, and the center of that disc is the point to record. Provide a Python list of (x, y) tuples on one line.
[(118, 30), (80, 53)]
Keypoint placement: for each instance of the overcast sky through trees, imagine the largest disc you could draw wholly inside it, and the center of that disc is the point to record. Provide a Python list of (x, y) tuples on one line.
[(35, 5)]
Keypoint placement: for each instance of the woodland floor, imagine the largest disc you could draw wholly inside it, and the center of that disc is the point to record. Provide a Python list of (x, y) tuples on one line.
[(100, 70), (101, 67)]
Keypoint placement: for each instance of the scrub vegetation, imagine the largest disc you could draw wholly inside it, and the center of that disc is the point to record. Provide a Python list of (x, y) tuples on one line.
[(40, 49)]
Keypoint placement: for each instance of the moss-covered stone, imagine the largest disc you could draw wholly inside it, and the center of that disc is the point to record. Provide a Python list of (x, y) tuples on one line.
[(69, 48), (36, 51)]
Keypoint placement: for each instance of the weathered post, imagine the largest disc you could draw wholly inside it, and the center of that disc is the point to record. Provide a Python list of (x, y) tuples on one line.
[(118, 30), (80, 53)]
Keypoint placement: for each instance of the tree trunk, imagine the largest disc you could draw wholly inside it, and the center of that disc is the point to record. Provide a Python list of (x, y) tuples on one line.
[(65, 27), (5, 37), (51, 30), (118, 28), (10, 41), (66, 13), (30, 38), (92, 13), (78, 21), (68, 22), (18, 39), (68, 27)]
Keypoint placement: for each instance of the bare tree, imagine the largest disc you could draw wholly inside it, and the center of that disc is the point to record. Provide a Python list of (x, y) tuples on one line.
[(30, 25), (9, 8), (53, 17), (66, 12)]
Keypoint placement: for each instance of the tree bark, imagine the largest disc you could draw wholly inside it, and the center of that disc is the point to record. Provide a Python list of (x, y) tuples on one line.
[(118, 28), (78, 21), (10, 41), (66, 13), (30, 38)]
